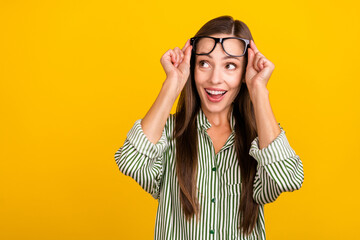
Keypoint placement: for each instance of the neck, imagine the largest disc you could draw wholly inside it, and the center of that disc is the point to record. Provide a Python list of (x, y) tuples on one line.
[(219, 119)]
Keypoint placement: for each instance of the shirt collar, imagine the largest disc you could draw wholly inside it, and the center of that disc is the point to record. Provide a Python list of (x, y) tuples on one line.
[(203, 123)]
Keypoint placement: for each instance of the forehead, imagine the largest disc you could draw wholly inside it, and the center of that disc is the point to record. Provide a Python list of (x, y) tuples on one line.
[(221, 35)]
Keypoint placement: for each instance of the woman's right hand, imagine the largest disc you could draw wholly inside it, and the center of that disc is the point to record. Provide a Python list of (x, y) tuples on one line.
[(176, 64)]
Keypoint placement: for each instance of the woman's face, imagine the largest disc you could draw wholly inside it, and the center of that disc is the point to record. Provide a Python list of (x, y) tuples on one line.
[(218, 79)]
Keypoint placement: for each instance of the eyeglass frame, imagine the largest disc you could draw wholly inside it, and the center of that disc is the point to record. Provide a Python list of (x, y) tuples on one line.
[(221, 40)]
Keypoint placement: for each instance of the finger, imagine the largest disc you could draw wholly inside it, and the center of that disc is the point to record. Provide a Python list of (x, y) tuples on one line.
[(267, 70), (187, 55), (186, 45), (178, 54), (261, 58), (176, 57), (173, 56), (167, 59), (261, 64), (264, 63), (253, 46), (186, 62), (181, 56)]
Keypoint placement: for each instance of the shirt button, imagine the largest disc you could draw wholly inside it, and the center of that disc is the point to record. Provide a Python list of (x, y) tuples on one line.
[(213, 200), (214, 168), (212, 231)]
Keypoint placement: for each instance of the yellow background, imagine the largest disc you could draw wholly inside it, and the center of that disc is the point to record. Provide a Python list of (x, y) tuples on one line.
[(75, 75)]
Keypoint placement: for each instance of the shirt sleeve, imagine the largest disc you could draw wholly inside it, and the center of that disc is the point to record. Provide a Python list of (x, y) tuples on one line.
[(279, 169), (141, 159)]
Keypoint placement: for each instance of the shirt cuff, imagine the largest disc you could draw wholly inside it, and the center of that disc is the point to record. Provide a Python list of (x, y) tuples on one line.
[(143, 145), (279, 149)]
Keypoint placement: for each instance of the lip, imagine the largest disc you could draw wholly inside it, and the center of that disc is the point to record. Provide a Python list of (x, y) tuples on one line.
[(211, 99)]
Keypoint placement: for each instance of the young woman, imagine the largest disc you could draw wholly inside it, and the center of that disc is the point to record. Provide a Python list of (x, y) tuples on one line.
[(214, 163)]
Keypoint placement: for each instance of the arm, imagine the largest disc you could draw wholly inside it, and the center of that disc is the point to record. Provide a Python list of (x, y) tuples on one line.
[(141, 159), (279, 168), (154, 121), (267, 126), (141, 156), (177, 75)]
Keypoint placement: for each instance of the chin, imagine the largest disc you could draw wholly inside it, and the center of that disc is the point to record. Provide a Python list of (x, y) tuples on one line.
[(213, 108)]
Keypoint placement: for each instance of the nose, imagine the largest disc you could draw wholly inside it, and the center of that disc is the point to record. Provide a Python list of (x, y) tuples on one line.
[(216, 75)]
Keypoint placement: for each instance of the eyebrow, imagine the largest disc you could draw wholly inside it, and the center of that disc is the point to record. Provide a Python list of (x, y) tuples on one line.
[(226, 57)]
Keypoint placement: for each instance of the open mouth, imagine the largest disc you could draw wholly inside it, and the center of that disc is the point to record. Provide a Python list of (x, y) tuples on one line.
[(213, 93)]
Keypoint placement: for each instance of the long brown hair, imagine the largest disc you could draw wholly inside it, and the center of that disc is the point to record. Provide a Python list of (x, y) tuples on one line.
[(185, 133)]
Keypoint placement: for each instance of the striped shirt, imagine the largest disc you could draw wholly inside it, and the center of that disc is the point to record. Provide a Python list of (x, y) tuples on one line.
[(152, 166)]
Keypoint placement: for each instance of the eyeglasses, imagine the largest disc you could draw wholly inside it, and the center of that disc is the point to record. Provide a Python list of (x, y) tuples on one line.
[(233, 46)]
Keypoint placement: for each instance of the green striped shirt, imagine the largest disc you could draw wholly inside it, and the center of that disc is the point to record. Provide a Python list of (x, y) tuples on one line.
[(151, 165)]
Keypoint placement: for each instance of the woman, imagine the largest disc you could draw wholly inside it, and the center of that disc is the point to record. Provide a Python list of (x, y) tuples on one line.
[(214, 163)]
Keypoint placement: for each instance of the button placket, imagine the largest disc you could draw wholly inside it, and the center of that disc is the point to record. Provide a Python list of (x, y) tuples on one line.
[(213, 188), (212, 207), (213, 183)]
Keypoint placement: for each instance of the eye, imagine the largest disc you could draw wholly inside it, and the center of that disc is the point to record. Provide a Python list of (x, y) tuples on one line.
[(201, 62), (232, 64)]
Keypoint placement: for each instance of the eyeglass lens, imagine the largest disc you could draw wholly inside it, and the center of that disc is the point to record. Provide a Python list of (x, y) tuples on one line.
[(232, 46)]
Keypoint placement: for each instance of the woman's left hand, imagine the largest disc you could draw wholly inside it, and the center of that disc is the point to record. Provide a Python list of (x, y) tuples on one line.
[(258, 70)]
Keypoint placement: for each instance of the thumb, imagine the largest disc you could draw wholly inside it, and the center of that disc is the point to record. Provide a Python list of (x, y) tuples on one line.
[(186, 60), (250, 57)]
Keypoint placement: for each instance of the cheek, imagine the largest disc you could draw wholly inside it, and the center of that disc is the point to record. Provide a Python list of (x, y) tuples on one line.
[(197, 83), (235, 83), (200, 78), (197, 74)]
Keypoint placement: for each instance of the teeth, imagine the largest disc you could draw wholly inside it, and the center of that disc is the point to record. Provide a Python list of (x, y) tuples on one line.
[(214, 92)]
